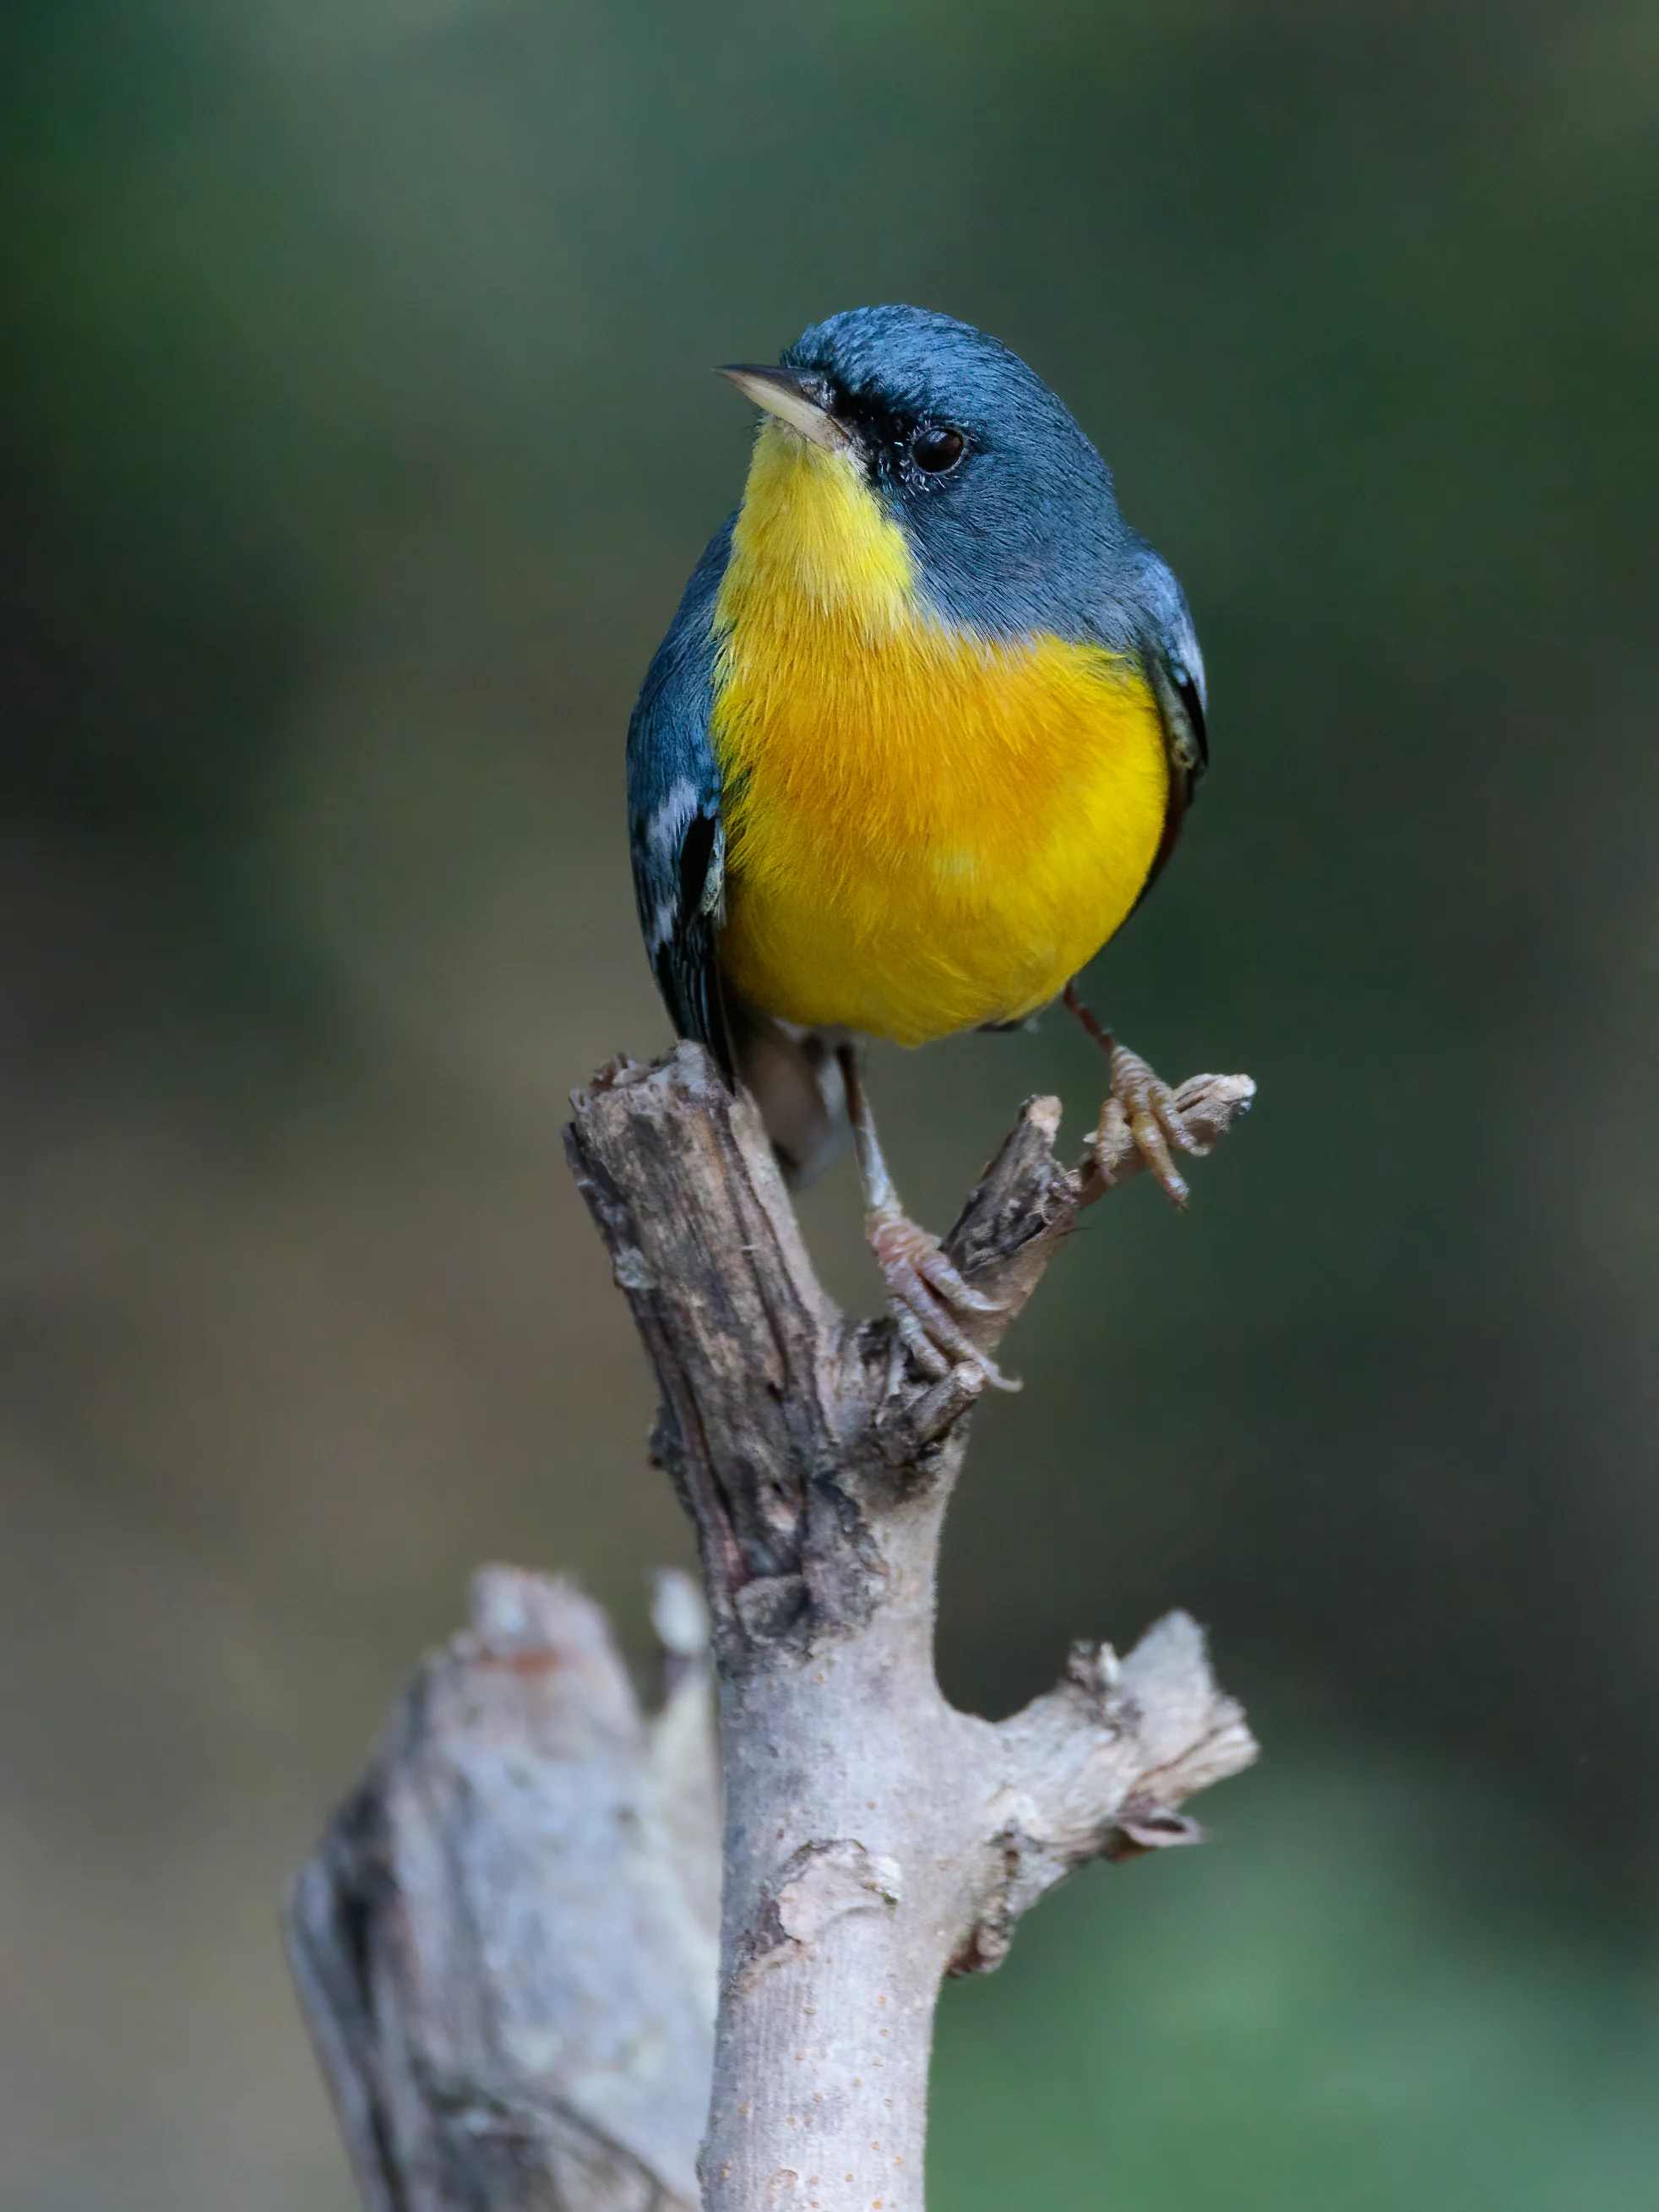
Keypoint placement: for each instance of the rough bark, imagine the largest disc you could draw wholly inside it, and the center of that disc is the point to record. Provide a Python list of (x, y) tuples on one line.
[(876, 1840)]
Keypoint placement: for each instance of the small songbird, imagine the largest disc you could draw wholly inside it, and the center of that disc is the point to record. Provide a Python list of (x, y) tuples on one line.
[(919, 739)]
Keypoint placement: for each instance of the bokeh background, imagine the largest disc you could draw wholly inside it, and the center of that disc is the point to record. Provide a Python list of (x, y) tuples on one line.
[(356, 437)]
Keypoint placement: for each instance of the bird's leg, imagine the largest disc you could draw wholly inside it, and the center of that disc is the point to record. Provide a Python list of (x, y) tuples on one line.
[(1141, 1101), (926, 1293)]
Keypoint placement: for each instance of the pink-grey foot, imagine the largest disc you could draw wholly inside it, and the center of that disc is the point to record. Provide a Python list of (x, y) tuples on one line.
[(927, 1295), (1141, 1103), (1142, 1100)]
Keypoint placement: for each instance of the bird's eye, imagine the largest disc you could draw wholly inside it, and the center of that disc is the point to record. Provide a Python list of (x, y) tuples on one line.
[(936, 451)]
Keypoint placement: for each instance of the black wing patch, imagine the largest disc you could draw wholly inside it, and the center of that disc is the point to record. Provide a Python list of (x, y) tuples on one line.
[(699, 847), (681, 939), (1187, 748), (676, 832), (1192, 703)]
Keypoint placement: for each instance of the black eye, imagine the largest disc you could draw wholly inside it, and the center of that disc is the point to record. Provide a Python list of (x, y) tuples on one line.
[(936, 451)]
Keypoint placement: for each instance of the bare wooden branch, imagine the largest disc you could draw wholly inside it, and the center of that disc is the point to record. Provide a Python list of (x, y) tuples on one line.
[(506, 1943), (876, 1840)]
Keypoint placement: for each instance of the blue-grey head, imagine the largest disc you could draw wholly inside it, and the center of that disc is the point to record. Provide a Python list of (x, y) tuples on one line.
[(1007, 507)]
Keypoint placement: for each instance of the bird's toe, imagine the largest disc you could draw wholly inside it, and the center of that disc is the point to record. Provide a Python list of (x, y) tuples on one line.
[(926, 1294), (1141, 1101)]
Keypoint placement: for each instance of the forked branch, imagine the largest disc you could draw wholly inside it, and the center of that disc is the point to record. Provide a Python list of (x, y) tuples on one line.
[(875, 1839)]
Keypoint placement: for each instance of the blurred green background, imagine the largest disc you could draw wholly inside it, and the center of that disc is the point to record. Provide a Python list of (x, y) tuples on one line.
[(356, 437)]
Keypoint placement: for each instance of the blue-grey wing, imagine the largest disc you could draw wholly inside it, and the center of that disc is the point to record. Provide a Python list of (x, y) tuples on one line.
[(675, 830)]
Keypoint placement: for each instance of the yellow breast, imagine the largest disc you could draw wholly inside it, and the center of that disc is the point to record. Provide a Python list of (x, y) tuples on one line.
[(925, 830)]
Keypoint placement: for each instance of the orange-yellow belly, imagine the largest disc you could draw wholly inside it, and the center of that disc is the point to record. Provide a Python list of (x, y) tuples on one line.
[(933, 834), (925, 831)]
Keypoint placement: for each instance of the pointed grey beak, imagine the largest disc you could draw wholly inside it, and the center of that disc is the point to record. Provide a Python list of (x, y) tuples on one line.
[(792, 395)]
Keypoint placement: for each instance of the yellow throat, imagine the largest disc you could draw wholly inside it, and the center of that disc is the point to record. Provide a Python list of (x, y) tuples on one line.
[(925, 829)]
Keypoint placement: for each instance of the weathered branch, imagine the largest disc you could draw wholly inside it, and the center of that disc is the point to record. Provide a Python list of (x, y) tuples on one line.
[(1097, 1767), (505, 1944), (875, 1839)]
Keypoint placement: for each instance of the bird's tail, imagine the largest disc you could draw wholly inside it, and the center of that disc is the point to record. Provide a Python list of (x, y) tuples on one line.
[(794, 1078)]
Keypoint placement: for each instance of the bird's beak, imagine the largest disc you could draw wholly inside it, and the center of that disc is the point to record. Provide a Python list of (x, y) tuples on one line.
[(793, 396)]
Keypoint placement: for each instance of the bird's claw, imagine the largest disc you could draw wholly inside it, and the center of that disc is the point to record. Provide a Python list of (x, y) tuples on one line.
[(925, 1294), (1144, 1104)]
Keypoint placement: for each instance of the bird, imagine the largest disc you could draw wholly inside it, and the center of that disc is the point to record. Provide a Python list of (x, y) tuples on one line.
[(921, 736)]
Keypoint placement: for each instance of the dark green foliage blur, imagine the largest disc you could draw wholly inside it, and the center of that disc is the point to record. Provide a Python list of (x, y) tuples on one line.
[(356, 438)]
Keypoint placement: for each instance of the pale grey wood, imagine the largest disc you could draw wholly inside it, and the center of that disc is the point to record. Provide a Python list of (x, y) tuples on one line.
[(876, 1840), (506, 1943), (485, 2035)]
